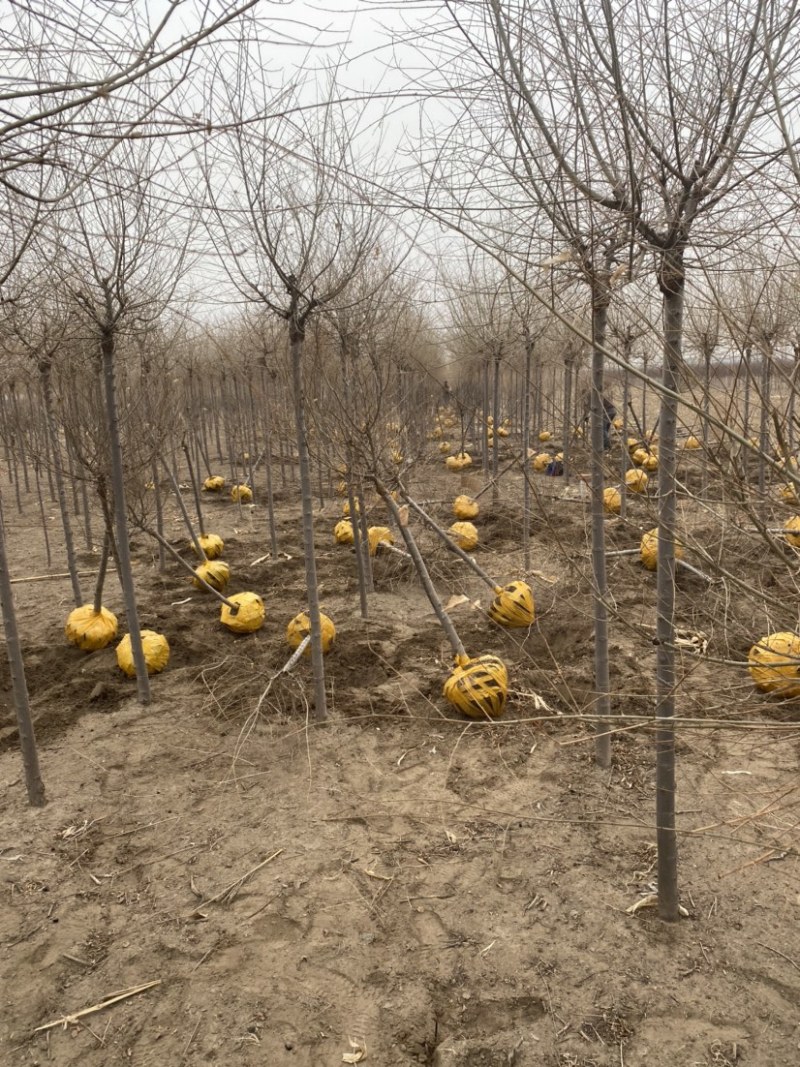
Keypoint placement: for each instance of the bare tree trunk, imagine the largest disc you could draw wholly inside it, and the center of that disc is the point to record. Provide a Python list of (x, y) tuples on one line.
[(672, 283), (600, 300), (496, 425), (766, 408), (317, 657), (624, 455), (19, 687), (107, 347), (526, 443), (45, 368), (566, 432)]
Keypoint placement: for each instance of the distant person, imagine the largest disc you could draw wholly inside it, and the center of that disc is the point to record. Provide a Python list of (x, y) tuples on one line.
[(609, 414)]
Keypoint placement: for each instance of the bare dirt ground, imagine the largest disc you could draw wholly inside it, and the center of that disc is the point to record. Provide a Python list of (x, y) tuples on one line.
[(396, 881)]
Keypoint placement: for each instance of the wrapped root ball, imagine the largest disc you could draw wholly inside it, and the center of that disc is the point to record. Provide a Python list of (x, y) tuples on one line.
[(639, 456), (540, 461), (788, 494), (618, 423), (377, 534), (341, 488), (156, 653), (792, 528), (397, 456), (346, 508), (464, 507), (211, 544), (90, 630), (636, 481), (478, 687), (612, 500), (444, 447), (300, 627), (502, 431), (214, 483), (215, 572), (249, 616), (545, 435), (651, 463), (513, 605), (242, 494), (343, 532), (648, 549), (775, 664), (691, 444), (465, 535)]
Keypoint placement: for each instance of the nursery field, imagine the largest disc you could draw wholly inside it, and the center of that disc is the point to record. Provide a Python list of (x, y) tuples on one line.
[(400, 885)]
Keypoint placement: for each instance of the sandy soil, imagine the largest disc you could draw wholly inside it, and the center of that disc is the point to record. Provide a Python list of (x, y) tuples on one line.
[(396, 881)]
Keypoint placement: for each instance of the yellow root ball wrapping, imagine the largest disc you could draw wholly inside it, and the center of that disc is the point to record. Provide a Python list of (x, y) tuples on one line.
[(502, 431), (459, 462), (513, 606), (640, 456), (464, 507), (465, 535), (211, 544), (376, 534), (343, 532), (618, 423), (636, 481), (444, 447), (250, 616), (300, 627), (397, 456), (691, 444), (651, 463), (90, 630), (775, 664), (478, 687), (648, 549), (215, 572), (214, 483), (156, 653), (346, 508), (545, 435), (341, 488), (788, 494), (242, 493), (540, 461), (792, 528), (612, 500)]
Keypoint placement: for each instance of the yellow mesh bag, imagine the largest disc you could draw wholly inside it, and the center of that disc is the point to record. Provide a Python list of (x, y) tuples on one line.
[(648, 549), (90, 630), (242, 493), (478, 687), (775, 664), (250, 616), (691, 444), (636, 481), (540, 461), (545, 435), (300, 627), (376, 534), (214, 483), (791, 525), (464, 507), (215, 572), (343, 532), (612, 500), (212, 545), (156, 653), (513, 606), (465, 535)]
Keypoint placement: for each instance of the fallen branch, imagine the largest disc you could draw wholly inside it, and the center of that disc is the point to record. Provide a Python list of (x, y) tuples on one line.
[(228, 894), (112, 998)]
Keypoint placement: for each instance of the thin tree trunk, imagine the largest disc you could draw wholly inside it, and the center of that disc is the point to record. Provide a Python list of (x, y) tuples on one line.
[(672, 280), (496, 425), (317, 657), (600, 300), (45, 368), (526, 444), (19, 686), (107, 346)]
